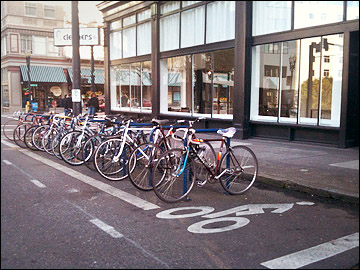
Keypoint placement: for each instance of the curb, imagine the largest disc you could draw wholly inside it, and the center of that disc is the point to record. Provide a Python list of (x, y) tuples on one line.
[(286, 184)]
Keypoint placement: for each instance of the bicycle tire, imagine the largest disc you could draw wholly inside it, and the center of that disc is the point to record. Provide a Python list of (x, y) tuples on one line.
[(38, 135), (141, 162), (28, 138), (206, 153), (106, 165), (19, 135), (242, 166), (172, 182), (69, 151), (89, 150), (47, 141), (9, 127)]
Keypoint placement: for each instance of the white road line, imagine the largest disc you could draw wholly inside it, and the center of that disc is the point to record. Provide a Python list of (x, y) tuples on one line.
[(7, 162), (9, 144), (314, 254), (127, 197), (106, 228), (38, 183)]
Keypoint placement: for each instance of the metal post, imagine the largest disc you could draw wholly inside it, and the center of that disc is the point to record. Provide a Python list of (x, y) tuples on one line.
[(92, 70), (28, 73), (76, 58)]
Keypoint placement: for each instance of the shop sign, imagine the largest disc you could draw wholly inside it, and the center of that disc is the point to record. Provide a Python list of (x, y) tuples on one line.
[(88, 36), (56, 90)]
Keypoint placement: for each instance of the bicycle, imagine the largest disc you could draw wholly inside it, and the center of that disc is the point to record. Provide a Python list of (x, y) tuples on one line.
[(145, 155), (175, 171)]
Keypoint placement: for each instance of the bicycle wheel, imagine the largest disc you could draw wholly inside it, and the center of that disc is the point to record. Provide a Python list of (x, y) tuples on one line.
[(89, 150), (55, 144), (107, 164), (206, 153), (48, 139), (71, 147), (9, 127), (38, 135), (239, 168), (19, 135), (28, 138), (141, 163), (172, 179)]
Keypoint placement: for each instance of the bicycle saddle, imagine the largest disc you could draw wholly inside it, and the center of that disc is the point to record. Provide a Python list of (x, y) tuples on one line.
[(160, 122), (228, 132)]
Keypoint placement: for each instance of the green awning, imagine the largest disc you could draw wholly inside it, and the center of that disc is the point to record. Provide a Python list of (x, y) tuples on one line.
[(86, 73), (43, 74)]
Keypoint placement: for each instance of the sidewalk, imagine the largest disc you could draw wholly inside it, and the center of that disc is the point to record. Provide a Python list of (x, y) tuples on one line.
[(324, 171)]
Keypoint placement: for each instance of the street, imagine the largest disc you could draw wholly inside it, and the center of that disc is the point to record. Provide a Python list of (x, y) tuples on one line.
[(54, 215)]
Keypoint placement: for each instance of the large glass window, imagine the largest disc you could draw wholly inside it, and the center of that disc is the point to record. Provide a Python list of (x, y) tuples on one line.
[(312, 13), (169, 32), (193, 27), (300, 84), (220, 21), (271, 16), (115, 45), (39, 45), (131, 86), (352, 10), (198, 84), (131, 41), (5, 96)]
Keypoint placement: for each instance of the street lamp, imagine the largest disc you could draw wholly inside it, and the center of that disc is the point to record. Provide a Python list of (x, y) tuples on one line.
[(27, 57)]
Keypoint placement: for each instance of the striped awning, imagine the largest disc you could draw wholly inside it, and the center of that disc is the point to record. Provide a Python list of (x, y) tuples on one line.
[(86, 73), (43, 74)]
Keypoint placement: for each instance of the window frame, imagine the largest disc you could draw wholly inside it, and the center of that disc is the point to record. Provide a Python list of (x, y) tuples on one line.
[(27, 5), (47, 7)]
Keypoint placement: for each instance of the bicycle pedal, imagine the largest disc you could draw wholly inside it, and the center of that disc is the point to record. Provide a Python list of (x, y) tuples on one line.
[(200, 183)]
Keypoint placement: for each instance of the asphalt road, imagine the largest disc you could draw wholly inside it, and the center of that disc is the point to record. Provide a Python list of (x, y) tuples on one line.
[(54, 215)]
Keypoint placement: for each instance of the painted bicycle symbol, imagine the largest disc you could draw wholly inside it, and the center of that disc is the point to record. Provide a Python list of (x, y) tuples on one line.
[(222, 216)]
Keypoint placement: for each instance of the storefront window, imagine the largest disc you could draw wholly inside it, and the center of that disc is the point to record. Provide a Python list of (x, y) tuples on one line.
[(200, 84), (309, 80), (131, 87), (289, 81), (5, 96), (312, 13), (176, 78), (304, 79), (271, 16), (330, 94)]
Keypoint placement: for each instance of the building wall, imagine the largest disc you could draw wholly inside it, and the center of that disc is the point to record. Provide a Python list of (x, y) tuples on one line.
[(248, 25)]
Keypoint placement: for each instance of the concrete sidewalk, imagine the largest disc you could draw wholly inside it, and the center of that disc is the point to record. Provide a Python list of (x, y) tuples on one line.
[(324, 171)]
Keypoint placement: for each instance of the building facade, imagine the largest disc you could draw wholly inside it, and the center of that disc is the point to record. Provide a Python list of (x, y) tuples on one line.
[(27, 29), (273, 69)]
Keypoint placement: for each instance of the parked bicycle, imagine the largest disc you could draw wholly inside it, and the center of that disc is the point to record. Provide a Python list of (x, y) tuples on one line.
[(176, 170)]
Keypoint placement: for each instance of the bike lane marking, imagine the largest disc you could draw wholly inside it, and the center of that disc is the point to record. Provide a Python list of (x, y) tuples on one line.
[(127, 197), (314, 254)]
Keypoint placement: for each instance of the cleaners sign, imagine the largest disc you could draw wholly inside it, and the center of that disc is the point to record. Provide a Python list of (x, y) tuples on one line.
[(88, 36)]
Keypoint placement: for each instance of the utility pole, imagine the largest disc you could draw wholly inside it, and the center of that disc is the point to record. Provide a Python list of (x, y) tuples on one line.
[(76, 85), (92, 70)]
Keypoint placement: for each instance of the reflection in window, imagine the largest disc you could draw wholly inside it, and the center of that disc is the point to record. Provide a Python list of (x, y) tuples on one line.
[(310, 13), (265, 78), (198, 84), (289, 81), (309, 80), (305, 92), (176, 78), (131, 86), (331, 82), (223, 82)]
